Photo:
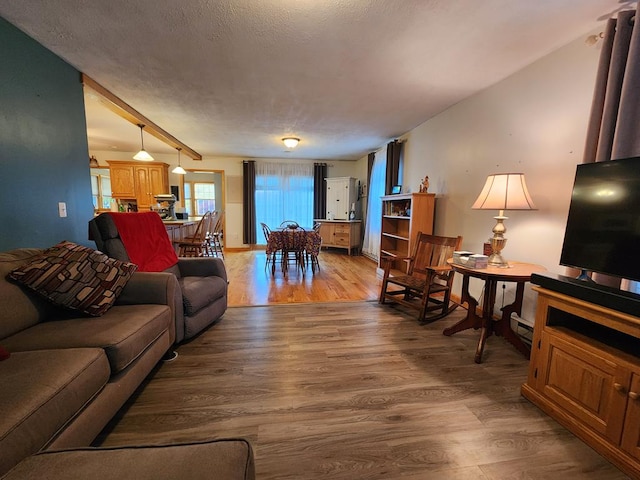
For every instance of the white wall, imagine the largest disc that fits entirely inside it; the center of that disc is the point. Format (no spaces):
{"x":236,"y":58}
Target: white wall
{"x":533,"y":122}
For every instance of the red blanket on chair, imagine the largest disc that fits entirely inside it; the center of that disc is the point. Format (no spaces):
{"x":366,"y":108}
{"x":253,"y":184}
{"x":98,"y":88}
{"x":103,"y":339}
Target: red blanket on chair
{"x":146,"y":240}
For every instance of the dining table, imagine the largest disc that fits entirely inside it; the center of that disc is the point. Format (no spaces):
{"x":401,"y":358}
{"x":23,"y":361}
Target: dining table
{"x":303,"y":242}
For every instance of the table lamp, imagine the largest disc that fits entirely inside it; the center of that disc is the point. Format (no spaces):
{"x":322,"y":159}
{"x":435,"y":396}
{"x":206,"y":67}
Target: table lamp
{"x":503,"y":191}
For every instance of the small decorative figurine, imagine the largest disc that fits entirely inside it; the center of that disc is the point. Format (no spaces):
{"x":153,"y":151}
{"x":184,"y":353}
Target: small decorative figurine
{"x":424,"y":186}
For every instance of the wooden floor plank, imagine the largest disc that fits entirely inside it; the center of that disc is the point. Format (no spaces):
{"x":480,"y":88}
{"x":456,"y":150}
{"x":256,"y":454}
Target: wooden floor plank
{"x":355,"y":390}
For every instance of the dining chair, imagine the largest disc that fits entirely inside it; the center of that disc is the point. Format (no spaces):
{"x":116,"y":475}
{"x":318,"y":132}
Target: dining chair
{"x":197,"y":245}
{"x":293,"y":243}
{"x":426,"y":285}
{"x":214,"y":237}
{"x":289,"y":224}
{"x":313,"y":243}
{"x":272,"y":255}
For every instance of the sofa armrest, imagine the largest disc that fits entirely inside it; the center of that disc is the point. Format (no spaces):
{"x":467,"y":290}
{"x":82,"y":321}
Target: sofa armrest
{"x":148,"y":287}
{"x":202,"y":267}
{"x":155,"y":288}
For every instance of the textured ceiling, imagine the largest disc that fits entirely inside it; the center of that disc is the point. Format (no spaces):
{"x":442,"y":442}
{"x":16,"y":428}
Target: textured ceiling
{"x":231,"y":78}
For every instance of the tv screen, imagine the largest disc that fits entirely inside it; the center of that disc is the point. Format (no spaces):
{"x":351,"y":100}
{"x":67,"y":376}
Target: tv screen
{"x":603,"y":226}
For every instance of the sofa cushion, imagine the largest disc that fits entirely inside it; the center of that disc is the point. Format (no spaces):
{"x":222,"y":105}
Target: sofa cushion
{"x":76,"y":277}
{"x":20,"y":307}
{"x":124,"y":332}
{"x":40,"y":392}
{"x":198,"y":292}
{"x":228,"y":459}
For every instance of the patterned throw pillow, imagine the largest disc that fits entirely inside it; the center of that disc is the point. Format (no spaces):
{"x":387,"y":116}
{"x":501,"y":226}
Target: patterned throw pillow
{"x":76,"y":277}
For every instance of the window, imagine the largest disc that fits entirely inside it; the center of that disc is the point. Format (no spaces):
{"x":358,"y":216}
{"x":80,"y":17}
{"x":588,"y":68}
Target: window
{"x":284,"y":192}
{"x":101,"y":190}
{"x":199,"y":198}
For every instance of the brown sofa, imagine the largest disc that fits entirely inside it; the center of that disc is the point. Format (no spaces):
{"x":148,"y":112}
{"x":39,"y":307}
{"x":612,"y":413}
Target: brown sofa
{"x":228,"y":459}
{"x":68,"y":374}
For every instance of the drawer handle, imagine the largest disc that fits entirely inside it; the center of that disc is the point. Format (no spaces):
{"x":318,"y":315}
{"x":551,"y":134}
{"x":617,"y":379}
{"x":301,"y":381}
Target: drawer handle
{"x":634,"y":396}
{"x":619,"y":387}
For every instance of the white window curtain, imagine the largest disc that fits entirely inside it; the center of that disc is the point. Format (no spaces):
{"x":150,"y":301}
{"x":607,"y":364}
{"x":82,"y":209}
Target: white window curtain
{"x":284,"y":191}
{"x":371,"y":243}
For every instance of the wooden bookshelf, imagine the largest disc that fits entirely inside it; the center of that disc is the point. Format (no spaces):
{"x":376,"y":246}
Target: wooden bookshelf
{"x":403,"y":216}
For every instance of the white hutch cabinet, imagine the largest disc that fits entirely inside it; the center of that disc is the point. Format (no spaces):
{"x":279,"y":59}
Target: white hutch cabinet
{"x":341,"y":194}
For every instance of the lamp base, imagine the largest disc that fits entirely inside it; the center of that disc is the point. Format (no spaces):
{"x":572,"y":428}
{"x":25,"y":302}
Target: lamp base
{"x":497,"y":244}
{"x":496,"y":260}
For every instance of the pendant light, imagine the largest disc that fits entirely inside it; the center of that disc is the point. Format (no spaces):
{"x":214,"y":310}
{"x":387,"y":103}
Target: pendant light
{"x":142,"y":155}
{"x":179,"y":170}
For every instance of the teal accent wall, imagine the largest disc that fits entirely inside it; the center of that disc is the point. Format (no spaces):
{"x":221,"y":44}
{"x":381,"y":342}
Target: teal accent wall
{"x":44,"y":155}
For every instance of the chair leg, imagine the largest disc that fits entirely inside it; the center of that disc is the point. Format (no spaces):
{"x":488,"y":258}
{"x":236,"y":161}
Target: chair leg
{"x":383,"y":291}
{"x":217,"y":246}
{"x":315,"y":265}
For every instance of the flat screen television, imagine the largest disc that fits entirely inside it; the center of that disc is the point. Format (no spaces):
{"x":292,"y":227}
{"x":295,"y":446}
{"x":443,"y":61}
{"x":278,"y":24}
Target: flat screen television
{"x":603,"y":226}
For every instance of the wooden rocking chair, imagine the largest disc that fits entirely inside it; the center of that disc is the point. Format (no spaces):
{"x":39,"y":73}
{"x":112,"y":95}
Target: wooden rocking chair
{"x":427,"y":284}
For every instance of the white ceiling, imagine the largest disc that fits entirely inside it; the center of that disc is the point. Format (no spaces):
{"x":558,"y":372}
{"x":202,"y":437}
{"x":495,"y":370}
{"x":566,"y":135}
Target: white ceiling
{"x":231,"y":78}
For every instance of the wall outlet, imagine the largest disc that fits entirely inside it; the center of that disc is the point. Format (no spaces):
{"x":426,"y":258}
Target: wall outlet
{"x":62,"y":209}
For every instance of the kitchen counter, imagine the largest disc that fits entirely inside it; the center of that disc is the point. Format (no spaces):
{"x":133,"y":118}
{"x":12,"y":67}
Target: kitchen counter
{"x":179,"y":229}
{"x":179,"y":222}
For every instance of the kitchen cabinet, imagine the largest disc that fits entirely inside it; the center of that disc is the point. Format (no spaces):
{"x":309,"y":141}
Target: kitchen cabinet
{"x":340,"y":233}
{"x":403,"y":216}
{"x":133,"y":181}
{"x":342,"y":193}
{"x":122,"y":181}
{"x":585,"y":373}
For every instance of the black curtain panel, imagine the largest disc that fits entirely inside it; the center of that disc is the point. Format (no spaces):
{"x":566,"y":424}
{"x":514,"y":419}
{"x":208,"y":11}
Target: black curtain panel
{"x":370,"y":159}
{"x":612,"y":131}
{"x":319,"y":190}
{"x":394,"y":151}
{"x":249,"y":236}
{"x":615,"y":111}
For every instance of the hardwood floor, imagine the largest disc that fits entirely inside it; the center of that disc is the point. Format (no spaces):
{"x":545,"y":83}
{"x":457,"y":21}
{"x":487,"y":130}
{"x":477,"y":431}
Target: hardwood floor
{"x":352,"y":390}
{"x":341,"y":278}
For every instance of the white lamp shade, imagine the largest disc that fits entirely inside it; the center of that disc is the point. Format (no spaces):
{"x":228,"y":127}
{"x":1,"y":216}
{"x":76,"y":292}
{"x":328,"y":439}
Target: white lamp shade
{"x":504,"y":191}
{"x":290,"y":142}
{"x":143,"y":156}
{"x":179,"y":170}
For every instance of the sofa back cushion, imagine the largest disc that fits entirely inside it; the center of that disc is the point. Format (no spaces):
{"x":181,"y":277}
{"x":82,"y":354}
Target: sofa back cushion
{"x":103,"y":231}
{"x":19,"y":309}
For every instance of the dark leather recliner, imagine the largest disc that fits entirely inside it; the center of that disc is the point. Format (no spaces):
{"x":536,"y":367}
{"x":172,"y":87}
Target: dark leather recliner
{"x":202,"y":299}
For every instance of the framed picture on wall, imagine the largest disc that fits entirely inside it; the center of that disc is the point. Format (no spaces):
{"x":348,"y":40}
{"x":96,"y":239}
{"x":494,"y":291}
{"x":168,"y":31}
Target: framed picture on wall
{"x":396,"y":189}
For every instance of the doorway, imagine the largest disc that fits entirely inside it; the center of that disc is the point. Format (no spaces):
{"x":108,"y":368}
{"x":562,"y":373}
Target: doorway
{"x":202,"y":191}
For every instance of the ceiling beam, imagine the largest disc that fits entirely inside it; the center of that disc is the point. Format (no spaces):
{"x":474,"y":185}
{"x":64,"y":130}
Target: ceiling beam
{"x":130,"y":114}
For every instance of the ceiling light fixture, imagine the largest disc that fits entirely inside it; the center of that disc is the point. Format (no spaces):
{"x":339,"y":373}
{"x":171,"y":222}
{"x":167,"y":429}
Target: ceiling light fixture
{"x":290,"y":142}
{"x":179,"y":170}
{"x":142,"y":155}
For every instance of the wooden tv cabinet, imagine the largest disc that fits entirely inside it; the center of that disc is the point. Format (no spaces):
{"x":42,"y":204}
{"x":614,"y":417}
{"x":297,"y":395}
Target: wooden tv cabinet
{"x":585,"y":373}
